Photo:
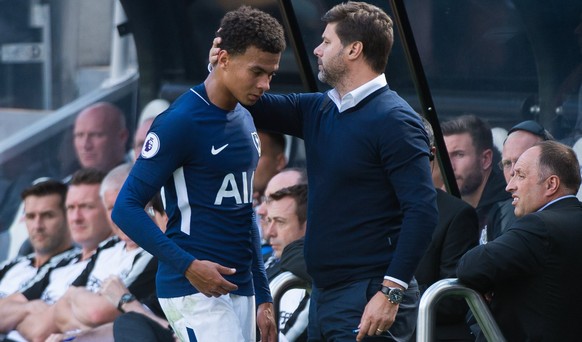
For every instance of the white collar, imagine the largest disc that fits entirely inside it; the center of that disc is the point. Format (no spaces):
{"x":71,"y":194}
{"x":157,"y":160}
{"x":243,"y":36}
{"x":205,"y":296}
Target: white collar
{"x":354,"y":97}
{"x":554,"y":201}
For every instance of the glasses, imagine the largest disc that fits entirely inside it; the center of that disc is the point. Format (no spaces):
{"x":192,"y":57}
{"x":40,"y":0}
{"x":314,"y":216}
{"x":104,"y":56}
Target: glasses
{"x":260,"y":200}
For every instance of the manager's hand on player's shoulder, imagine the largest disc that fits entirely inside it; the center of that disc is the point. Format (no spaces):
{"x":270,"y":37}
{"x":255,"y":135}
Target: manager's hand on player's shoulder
{"x":206,"y":277}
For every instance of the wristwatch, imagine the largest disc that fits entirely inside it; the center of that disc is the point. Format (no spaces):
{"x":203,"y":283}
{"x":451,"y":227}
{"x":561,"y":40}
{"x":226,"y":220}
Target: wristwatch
{"x":394,"y":294}
{"x":126,"y":298}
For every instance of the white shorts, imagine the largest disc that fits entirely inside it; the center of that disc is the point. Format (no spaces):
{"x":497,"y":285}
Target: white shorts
{"x":228,"y":318}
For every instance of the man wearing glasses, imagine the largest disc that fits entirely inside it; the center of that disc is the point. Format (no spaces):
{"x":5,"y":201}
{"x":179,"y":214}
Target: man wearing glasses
{"x":519,"y":138}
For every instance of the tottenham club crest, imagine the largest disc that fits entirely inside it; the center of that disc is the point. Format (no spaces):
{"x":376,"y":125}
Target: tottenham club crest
{"x":257,"y":142}
{"x":151,"y":146}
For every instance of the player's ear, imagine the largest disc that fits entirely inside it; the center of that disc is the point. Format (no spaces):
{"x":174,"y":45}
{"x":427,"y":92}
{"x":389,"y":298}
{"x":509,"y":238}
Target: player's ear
{"x":223,"y":58}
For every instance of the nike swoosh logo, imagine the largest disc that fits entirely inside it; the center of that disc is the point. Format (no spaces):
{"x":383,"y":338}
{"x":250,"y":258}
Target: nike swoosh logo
{"x":216,"y":151}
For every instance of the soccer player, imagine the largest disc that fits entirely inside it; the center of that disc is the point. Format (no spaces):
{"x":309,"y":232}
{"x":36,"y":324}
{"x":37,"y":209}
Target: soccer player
{"x":203,"y":151}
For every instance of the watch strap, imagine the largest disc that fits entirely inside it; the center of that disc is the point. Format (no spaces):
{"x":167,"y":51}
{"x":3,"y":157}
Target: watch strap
{"x":125,"y":298}
{"x":393,"y":294}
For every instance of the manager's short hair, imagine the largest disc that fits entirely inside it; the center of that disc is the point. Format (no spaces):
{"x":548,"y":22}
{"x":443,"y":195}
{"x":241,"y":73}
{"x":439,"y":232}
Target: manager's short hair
{"x":369,"y":24}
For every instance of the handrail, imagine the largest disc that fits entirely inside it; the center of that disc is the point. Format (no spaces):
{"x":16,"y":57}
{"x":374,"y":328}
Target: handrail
{"x":281,"y":284}
{"x":452,"y":287}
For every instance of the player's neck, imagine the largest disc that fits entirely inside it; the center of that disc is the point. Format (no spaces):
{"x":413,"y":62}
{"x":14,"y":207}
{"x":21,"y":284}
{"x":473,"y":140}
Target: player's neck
{"x":218,"y":94}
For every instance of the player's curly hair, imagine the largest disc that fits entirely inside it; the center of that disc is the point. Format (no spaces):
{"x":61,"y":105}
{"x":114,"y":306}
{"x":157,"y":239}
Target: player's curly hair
{"x":247,"y":26}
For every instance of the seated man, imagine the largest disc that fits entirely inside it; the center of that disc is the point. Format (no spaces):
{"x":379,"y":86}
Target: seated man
{"x":46,"y":222}
{"x":531,"y":274}
{"x":519,"y":138}
{"x":287,"y":221}
{"x":88,"y":228}
{"x":31,"y":312}
{"x":143,"y":321}
{"x":140,"y":320}
{"x":50,"y":239}
{"x":82,"y":306}
{"x":284,"y":179}
{"x":470,"y":146}
{"x":457,"y":231}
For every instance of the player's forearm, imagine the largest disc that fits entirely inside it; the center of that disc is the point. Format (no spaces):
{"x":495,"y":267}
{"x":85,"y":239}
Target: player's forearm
{"x":129,"y":215}
{"x":260,"y":281}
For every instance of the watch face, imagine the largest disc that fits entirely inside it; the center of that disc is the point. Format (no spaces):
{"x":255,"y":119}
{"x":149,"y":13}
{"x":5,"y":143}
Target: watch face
{"x":126,"y":298}
{"x":396,"y":295}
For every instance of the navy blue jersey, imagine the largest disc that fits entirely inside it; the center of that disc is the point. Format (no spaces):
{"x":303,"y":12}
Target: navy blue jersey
{"x":204,"y":157}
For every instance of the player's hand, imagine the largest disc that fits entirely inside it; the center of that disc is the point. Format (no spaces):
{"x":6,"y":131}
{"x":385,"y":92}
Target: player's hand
{"x":214,"y":50}
{"x":379,"y":315}
{"x":266,"y":322}
{"x":206,"y":277}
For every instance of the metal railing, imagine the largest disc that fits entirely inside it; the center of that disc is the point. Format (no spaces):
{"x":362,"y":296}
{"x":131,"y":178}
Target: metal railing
{"x":451,"y":287}
{"x":425,"y":328}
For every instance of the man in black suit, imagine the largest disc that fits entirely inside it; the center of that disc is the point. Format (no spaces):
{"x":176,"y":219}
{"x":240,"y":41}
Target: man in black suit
{"x":457,"y":232}
{"x":532,"y":273}
{"x":519,"y":138}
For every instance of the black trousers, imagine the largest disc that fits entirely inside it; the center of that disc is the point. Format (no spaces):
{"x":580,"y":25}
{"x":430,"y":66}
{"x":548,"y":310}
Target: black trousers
{"x":133,"y":326}
{"x":334,"y":313}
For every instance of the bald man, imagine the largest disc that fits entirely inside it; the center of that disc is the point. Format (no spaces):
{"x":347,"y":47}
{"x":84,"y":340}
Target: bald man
{"x":520,"y":137}
{"x":100,"y":135}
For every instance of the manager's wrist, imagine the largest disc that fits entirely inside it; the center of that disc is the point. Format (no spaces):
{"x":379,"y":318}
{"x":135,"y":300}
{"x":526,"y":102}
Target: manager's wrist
{"x":395,"y":295}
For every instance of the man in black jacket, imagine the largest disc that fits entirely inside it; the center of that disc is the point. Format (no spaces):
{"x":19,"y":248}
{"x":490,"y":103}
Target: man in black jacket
{"x":531,"y":273}
{"x":519,"y":138}
{"x":457,"y":231}
{"x":470,"y":146}
{"x":286,"y":223}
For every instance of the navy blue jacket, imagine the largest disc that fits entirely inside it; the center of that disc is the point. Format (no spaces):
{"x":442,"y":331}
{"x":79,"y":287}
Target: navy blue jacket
{"x":372,"y":205}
